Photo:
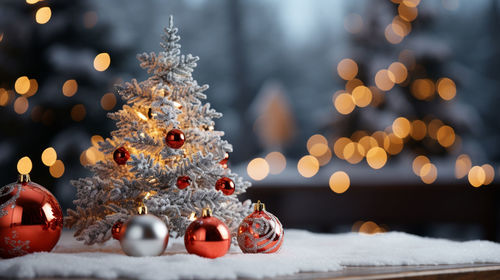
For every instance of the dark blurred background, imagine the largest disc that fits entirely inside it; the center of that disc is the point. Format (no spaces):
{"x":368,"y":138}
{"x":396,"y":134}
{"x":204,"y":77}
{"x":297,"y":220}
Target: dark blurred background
{"x":346,"y":115}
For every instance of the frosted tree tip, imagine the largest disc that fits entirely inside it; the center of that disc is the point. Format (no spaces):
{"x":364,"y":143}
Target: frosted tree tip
{"x":171,"y":21}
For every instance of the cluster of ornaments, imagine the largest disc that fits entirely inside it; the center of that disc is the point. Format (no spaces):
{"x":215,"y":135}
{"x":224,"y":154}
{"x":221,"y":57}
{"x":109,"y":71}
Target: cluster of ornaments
{"x":175,"y":139}
{"x":207,"y":236}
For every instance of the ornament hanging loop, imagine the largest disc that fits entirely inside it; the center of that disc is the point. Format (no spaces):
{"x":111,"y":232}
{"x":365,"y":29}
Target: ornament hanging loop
{"x":24,"y":178}
{"x":206,"y":212}
{"x":259,"y":206}
{"x":142,"y":209}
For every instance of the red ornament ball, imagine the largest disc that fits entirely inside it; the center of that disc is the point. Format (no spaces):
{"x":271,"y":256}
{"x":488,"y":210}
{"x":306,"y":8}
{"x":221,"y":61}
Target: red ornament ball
{"x":121,"y":156}
{"x":175,"y":138}
{"x":183,"y":182}
{"x":117,"y":230}
{"x":224,"y":161}
{"x":260,"y":232}
{"x":31,"y":219}
{"x":207,"y":236}
{"x":225,"y":185}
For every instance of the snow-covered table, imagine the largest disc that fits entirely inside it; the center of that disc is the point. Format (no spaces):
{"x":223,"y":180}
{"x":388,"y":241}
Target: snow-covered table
{"x":302,"y":252}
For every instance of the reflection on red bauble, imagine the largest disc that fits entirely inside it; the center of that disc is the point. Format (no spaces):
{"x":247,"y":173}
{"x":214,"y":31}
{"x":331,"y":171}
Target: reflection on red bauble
{"x":260,"y":232}
{"x":224,"y":161}
{"x":183,"y":182}
{"x":117,"y":230}
{"x":175,"y":138}
{"x":207,"y":236}
{"x":121,"y":155}
{"x":31,"y":219}
{"x":225,"y":185}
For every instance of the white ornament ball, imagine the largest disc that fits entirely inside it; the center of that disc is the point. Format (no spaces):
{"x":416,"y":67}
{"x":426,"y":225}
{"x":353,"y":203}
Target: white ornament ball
{"x":144,"y":235}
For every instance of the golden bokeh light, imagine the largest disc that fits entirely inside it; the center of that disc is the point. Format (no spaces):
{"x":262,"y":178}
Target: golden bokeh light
{"x":384,"y":79}
{"x":347,"y":69}
{"x":316,"y":139}
{"x":57,"y":169}
{"x":428,"y":173}
{"x":391,"y":36}
{"x":22,"y":85}
{"x":381,"y":137}
{"x":368,"y":142}
{"x":400,"y":26}
{"x":78,"y":112}
{"x":354,"y":152}
{"x":32,"y":1}
{"x":339,"y":182}
{"x":376,"y":157}
{"x":418,"y":163}
{"x":352,"y":84}
{"x":276,"y":161}
{"x":477,"y":176}
{"x":318,"y":149}
{"x":418,"y":130}
{"x":258,"y":169}
{"x":325,"y":158}
{"x":102,"y":61}
{"x":24,"y":165}
{"x":33,"y":88}
{"x":95,"y":139}
{"x":108,"y":101}
{"x":407,"y":13}
{"x":69,"y":88}
{"x":21,"y":105}
{"x":411,"y":3}
{"x":43,"y":15}
{"x":308,"y":166}
{"x":401,"y":127}
{"x":370,"y":227}
{"x":446,"y":88}
{"x":353,"y":23}
{"x":393,"y":145}
{"x":399,"y":72}
{"x":446,"y":136}
{"x":338,"y":147}
{"x":4,"y":97}
{"x":91,"y":156}
{"x":433,"y":128}
{"x":489,"y":173}
{"x":49,"y":156}
{"x":362,"y":96}
{"x":462,"y":166}
{"x":344,"y":103}
{"x":358,"y":134}
{"x":423,"y":89}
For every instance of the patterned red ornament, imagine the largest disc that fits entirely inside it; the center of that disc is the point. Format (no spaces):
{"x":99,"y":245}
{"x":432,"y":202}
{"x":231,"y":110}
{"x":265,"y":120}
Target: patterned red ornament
{"x":117,"y":230}
{"x":207,"y":236}
{"x":260,"y":232}
{"x":183,"y":182}
{"x":121,"y":155}
{"x":31,"y":219}
{"x":225,"y":185}
{"x":224,"y":161}
{"x":175,"y":138}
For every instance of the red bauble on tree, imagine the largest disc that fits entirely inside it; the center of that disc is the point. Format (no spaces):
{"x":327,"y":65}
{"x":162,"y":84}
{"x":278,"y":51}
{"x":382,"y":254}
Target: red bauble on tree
{"x":207,"y":236}
{"x":183,"y":182}
{"x":224,"y":161}
{"x":225,"y":185}
{"x":31,"y":219}
{"x":260,"y":232}
{"x":117,"y":230}
{"x":175,"y":138}
{"x":121,"y":156}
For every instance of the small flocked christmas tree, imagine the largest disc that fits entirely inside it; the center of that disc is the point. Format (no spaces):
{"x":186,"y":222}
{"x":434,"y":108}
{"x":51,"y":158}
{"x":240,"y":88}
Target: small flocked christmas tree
{"x":165,"y":154}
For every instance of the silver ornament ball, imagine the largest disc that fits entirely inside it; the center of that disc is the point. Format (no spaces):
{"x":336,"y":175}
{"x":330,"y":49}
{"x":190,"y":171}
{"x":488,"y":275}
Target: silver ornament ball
{"x":144,"y":235}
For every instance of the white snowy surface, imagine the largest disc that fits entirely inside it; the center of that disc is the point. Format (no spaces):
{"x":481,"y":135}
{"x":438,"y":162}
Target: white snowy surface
{"x":302,"y":251}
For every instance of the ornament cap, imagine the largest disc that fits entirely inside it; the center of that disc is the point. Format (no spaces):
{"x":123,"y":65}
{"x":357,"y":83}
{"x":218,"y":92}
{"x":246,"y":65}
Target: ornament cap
{"x":23,"y":178}
{"x":259,"y":206}
{"x":206,"y":212}
{"x":142,"y":209}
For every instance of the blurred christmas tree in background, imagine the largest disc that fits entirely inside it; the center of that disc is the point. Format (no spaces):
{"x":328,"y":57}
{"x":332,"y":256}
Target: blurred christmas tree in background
{"x":54,"y":72}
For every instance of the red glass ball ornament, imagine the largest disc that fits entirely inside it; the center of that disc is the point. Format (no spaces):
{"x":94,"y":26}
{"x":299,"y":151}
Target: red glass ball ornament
{"x":31,"y":219}
{"x":183,"y":182}
{"x":207,"y":236}
{"x":117,"y":230}
{"x":260,"y":232}
{"x":224,"y":161}
{"x":175,"y":138}
{"x":225,"y":185}
{"x":121,"y":156}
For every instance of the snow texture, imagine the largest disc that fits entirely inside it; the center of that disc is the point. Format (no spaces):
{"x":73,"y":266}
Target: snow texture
{"x":302,"y":251}
{"x":170,"y":98}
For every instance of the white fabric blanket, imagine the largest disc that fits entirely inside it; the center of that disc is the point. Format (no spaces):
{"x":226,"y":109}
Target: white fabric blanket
{"x":302,"y":251}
